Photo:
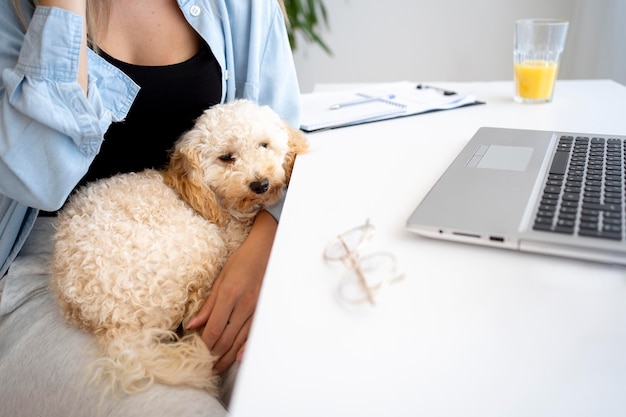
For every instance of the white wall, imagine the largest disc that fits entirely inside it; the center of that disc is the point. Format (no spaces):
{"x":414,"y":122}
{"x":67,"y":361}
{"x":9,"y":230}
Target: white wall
{"x":457,"y":40}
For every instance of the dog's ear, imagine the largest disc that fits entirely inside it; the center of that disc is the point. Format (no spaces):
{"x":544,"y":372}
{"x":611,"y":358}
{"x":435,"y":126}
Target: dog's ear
{"x":184,"y":174}
{"x":298,"y":144}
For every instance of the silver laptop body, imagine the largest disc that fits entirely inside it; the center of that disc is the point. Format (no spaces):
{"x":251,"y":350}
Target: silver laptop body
{"x":494,"y":190}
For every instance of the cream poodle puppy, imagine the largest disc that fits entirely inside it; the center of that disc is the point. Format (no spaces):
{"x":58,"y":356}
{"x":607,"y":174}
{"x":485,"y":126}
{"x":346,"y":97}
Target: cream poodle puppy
{"x":135,"y":255}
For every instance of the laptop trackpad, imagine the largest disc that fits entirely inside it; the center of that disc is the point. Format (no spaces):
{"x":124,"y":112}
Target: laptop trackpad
{"x":512,"y":158}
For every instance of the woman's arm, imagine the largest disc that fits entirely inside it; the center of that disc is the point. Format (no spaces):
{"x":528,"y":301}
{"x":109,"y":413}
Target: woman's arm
{"x":52,"y":115}
{"x":227,"y":313}
{"x":265,"y":73}
{"x":78,"y":7}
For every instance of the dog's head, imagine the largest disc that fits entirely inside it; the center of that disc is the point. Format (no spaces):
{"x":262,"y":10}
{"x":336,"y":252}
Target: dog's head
{"x":237,"y":159}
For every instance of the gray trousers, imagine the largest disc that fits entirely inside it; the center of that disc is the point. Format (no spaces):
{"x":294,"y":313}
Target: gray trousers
{"x":44,"y":361}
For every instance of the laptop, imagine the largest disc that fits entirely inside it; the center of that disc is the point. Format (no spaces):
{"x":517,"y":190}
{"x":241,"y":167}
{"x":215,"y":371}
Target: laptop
{"x":555,"y":193}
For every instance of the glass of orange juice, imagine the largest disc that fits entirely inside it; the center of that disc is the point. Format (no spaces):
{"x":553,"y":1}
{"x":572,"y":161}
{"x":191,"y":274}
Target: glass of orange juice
{"x":537,"y":48}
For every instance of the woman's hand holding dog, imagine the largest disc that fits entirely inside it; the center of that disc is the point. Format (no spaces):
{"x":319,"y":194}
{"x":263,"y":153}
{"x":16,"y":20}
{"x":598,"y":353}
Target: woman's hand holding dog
{"x":228,"y":311}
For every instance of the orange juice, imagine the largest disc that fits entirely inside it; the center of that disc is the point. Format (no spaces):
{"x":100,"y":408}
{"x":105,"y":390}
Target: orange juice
{"x":534,"y":80}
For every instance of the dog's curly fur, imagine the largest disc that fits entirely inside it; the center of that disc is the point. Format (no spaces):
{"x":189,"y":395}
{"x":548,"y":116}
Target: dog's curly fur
{"x":135,"y":255}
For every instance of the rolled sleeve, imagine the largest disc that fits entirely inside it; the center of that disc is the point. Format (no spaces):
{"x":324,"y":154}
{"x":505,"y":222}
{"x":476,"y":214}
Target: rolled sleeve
{"x":50,"y":131}
{"x":51,"y":46}
{"x":43,"y":83}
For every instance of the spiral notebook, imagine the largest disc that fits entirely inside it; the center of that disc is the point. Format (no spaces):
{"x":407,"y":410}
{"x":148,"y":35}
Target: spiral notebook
{"x":327,"y":110}
{"x":324,"y":111}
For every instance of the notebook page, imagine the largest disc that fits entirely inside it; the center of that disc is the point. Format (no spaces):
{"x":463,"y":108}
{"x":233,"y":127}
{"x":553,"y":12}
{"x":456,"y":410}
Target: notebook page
{"x":318,"y":112}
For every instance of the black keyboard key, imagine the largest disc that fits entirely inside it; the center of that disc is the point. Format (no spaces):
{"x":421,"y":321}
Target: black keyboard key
{"x":542,"y":227}
{"x":559,"y":163}
{"x":607,"y":228}
{"x":589,"y":226}
{"x":567,"y":216}
{"x":602,"y":207}
{"x":590,"y":219}
{"x":549,"y":214}
{"x":612,"y":222}
{"x":600,"y":234}
{"x":571,"y":197}
{"x":551,"y":189}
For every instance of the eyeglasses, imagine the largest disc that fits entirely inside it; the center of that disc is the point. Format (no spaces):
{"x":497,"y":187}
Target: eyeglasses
{"x":367,"y":275}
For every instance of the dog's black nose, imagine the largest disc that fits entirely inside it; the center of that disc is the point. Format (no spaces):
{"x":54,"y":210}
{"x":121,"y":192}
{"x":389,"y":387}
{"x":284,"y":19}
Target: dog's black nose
{"x":259,"y":187}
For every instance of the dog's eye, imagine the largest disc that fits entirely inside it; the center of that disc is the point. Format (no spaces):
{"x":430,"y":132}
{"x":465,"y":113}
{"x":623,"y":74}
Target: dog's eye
{"x":227,"y":157}
{"x":264,"y":145}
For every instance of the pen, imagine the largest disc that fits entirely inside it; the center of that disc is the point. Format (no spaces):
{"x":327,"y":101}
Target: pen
{"x":441,"y":90}
{"x":364,"y":100}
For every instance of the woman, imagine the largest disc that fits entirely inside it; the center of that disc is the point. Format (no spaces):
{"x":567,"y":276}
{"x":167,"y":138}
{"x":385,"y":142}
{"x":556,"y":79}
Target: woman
{"x":76,"y":100}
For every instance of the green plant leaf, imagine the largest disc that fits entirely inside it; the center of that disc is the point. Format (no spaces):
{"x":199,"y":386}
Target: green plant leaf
{"x":307,"y":17}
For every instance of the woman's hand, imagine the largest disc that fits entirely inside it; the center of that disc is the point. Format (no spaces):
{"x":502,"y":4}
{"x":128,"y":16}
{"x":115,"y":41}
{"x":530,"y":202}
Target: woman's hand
{"x":227,"y":313}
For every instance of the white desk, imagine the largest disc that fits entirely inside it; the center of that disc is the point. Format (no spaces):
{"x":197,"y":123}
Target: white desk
{"x":471,"y":331}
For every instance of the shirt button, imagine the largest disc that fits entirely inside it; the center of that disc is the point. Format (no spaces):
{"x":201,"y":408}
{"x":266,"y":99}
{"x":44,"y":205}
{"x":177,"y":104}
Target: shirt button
{"x":195,"y":11}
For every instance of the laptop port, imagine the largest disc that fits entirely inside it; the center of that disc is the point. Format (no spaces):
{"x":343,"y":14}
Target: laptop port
{"x":466,"y":234}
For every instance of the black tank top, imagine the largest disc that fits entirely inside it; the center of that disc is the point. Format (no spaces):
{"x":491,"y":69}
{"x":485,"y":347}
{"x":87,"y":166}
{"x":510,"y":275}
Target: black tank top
{"x":170,"y":99}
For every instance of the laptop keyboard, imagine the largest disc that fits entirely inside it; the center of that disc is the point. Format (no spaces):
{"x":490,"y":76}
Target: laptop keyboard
{"x":585,"y":188}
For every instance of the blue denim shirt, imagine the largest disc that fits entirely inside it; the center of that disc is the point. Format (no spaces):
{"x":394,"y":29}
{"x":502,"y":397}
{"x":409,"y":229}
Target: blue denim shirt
{"x":50,"y":131}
